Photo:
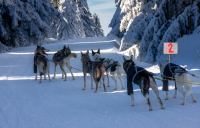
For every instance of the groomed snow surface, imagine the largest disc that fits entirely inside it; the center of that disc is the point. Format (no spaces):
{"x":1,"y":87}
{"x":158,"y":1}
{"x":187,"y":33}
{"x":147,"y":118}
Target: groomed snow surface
{"x":26,"y":103}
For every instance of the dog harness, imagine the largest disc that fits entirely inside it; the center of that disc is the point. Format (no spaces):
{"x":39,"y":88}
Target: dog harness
{"x":59,"y":56}
{"x":135,"y":72}
{"x":104,"y":60}
{"x":171,"y":69}
{"x":92,"y":64}
{"x":41,"y":58}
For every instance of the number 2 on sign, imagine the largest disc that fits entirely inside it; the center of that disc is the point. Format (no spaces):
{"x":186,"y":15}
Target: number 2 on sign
{"x":170,"y":49}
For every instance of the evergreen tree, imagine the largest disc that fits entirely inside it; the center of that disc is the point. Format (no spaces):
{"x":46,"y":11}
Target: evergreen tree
{"x":145,"y":25}
{"x":27,"y":22}
{"x":86,"y":18}
{"x":98,"y":29}
{"x":71,"y":25}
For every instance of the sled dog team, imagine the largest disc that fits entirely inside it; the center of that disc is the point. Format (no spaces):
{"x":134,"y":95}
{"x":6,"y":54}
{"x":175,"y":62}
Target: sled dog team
{"x":97,"y":68}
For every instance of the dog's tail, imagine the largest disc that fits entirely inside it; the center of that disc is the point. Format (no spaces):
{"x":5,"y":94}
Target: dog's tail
{"x":144,"y":83}
{"x":45,"y":69}
{"x":121,"y":69}
{"x":72,"y":56}
{"x":98,"y":73}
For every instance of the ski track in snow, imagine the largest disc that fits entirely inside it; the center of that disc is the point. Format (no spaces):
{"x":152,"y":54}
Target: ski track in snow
{"x":25,"y":103}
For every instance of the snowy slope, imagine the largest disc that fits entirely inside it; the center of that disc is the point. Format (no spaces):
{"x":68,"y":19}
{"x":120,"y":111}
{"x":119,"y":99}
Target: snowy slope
{"x":24,"y":103}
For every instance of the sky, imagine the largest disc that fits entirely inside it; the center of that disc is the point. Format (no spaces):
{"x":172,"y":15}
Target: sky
{"x":105,"y":10}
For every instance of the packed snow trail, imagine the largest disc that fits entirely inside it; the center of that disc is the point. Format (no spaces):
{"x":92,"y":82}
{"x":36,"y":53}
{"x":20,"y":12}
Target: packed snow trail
{"x":26,"y":103}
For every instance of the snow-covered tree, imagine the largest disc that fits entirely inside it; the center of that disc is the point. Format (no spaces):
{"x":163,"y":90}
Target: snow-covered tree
{"x":71,"y":25}
{"x":55,"y":3}
{"x":3,"y":48}
{"x":136,"y":21}
{"x":127,"y":11}
{"x":98,"y":29}
{"x":184,"y":24}
{"x":86,"y":18}
{"x":144,"y":25}
{"x":116,"y":20}
{"x":27,"y":22}
{"x":136,"y":31}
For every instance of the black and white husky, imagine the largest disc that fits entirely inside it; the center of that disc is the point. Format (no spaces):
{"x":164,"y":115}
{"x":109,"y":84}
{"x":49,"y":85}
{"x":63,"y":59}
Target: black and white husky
{"x":111,"y":66}
{"x":62,"y":58}
{"x":41,"y":62}
{"x":141,"y":77}
{"x":95,"y":69}
{"x":178,"y":73}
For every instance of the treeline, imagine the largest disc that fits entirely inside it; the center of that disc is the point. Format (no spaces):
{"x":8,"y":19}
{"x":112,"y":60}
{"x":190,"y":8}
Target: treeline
{"x":29,"y":22}
{"x":145,"y":25}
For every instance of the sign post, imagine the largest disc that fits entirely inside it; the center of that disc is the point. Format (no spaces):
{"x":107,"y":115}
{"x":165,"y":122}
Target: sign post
{"x":169,"y":48}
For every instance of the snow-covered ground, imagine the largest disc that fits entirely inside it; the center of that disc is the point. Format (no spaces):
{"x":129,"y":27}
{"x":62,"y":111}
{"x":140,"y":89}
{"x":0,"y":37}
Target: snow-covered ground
{"x":25,"y":103}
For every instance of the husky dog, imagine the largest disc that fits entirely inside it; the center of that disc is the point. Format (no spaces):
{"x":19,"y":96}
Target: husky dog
{"x":95,"y":69}
{"x":62,"y":58}
{"x":141,"y":77}
{"x":41,"y":62}
{"x":176,"y":74}
{"x":111,"y":66}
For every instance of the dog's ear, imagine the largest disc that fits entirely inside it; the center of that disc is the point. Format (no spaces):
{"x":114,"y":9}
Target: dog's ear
{"x":131,"y":57}
{"x":88,"y":52}
{"x":68,"y":46}
{"x":92,"y":52}
{"x":38,"y":46}
{"x":64,"y":47}
{"x":81,"y":53}
{"x":98,"y":51}
{"x":124,"y":58}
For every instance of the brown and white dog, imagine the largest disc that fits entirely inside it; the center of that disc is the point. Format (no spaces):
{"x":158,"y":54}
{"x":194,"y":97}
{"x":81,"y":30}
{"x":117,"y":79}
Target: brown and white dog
{"x":95,"y":69}
{"x":111,"y":66}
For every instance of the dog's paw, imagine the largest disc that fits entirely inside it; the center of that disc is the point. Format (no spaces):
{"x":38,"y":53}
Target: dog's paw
{"x":123,"y":88}
{"x":95,"y":91}
{"x":174,"y":97}
{"x":132,"y":105}
{"x":150,"y":109}
{"x":115,"y":88}
{"x":166,"y":98}
{"x":108,"y":86}
{"x":182,"y":103}
{"x":162,"y":107}
{"x":105,"y":90}
{"x":92,"y":88}
{"x":194,"y":101}
{"x":83,"y":89}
